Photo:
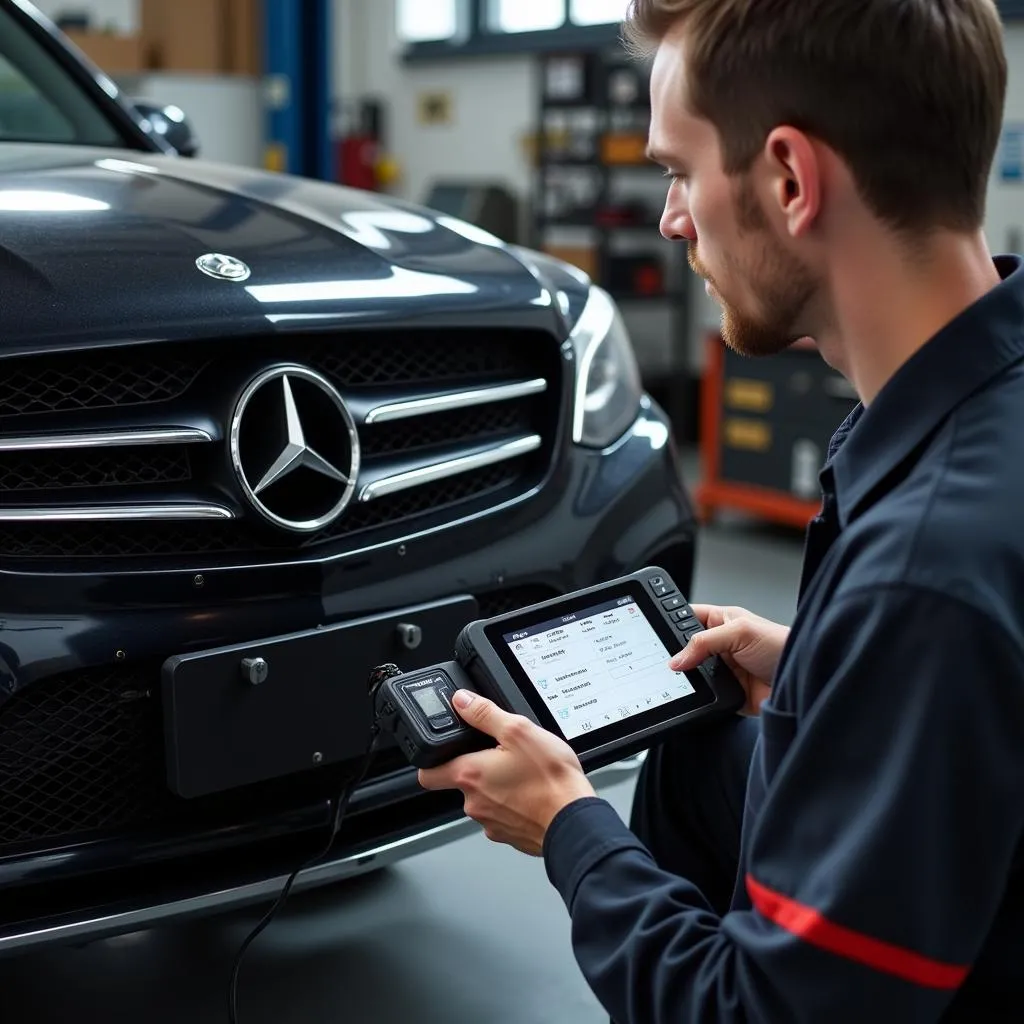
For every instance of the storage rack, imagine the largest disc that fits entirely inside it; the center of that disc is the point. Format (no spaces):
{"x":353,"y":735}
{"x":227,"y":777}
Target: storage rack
{"x":590,"y":154}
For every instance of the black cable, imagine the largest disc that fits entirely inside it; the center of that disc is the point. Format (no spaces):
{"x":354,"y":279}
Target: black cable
{"x":340,"y":807}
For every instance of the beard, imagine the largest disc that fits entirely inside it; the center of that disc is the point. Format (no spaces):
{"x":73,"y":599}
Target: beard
{"x":783,"y":287}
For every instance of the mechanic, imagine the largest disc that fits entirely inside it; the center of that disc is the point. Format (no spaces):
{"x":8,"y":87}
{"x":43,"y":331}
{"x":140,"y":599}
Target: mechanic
{"x":854,"y":851}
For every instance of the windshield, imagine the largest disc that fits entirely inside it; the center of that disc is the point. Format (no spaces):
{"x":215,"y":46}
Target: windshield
{"x":39,"y":100}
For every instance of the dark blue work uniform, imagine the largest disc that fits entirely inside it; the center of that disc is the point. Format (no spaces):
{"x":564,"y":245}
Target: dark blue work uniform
{"x":881,"y":860}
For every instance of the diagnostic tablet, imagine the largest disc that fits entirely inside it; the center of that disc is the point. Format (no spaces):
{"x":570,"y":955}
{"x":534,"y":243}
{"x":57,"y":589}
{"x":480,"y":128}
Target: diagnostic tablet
{"x":591,"y":667}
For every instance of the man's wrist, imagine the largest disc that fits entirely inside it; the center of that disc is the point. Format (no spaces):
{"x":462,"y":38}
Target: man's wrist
{"x":565,"y":796}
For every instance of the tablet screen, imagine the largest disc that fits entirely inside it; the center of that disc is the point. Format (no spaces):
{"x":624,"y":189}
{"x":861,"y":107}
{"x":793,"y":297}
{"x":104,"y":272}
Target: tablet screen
{"x":597,"y":666}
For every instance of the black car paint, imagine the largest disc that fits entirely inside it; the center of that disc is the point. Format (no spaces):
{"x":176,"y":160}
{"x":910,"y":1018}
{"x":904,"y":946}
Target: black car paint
{"x":124,"y":273}
{"x":128,"y":274}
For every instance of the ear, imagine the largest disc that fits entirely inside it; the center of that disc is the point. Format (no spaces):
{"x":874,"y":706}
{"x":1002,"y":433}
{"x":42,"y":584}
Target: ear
{"x":795,"y":173}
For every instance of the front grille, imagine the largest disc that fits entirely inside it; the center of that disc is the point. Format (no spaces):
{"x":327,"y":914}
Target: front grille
{"x":369,"y":370}
{"x":82,"y":755}
{"x":93,"y":468}
{"x":442,"y":358}
{"x":87,"y":381}
{"x":159,"y":373}
{"x":147,"y":540}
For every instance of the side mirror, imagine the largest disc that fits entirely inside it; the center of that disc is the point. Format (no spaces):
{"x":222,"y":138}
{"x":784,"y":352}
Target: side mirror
{"x":170,"y":123}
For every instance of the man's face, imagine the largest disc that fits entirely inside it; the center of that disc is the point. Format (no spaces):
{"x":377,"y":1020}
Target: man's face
{"x":763,"y":288}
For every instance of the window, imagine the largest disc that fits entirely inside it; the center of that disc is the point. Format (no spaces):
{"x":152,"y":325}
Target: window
{"x":525,"y":15}
{"x":442,"y":29}
{"x":422,"y":21}
{"x":597,"y":12}
{"x":39,"y":99}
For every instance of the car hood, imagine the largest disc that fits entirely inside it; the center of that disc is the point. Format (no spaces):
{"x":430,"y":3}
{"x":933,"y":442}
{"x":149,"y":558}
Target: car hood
{"x":101,"y":247}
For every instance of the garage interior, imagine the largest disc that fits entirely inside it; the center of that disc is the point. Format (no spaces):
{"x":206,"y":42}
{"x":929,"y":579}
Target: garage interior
{"x":529,"y":123}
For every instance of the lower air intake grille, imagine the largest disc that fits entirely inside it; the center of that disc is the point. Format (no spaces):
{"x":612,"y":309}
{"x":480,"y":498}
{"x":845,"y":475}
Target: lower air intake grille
{"x":83,"y":754}
{"x":77,"y":754}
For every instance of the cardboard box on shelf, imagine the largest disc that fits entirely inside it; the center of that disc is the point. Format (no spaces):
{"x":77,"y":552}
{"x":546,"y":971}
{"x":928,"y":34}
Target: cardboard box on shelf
{"x":582,"y":256}
{"x":109,"y":52}
{"x":245,"y":37}
{"x":207,"y":36}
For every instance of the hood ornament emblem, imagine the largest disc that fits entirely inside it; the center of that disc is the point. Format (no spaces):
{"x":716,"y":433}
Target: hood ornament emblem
{"x":294,"y":448}
{"x":223,"y":268}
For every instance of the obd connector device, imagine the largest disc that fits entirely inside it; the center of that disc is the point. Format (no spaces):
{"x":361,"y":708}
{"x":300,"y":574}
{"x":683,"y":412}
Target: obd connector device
{"x":591,"y":667}
{"x":416,"y":708}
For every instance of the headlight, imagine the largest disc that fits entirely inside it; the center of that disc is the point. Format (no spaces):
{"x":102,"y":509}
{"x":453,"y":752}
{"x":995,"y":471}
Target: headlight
{"x":608,"y":388}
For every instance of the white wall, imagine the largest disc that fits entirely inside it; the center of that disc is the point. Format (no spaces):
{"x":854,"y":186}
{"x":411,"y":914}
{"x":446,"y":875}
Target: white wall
{"x":493,"y":103}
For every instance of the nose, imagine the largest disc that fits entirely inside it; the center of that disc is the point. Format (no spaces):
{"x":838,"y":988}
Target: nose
{"x":676,"y":222}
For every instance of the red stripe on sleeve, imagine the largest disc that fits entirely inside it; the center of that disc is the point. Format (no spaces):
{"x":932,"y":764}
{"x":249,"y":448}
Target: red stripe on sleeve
{"x":808,"y":924}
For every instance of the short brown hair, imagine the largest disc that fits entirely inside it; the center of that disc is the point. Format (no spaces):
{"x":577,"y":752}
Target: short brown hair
{"x":909,"y":92}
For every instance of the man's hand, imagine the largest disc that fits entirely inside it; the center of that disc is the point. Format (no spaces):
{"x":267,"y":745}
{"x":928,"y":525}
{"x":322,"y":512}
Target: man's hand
{"x":750,"y":645}
{"x":516,"y":789}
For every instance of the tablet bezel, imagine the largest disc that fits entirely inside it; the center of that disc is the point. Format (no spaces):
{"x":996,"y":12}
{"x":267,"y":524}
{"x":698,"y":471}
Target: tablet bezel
{"x":702,"y":697}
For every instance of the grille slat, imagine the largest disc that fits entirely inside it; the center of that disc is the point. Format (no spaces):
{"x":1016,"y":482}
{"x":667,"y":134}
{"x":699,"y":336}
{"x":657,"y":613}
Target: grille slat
{"x":157,"y":540}
{"x":82,"y":754}
{"x":469,"y":426}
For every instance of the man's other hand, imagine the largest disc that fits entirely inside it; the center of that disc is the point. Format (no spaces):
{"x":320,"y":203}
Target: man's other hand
{"x":516,"y":789}
{"x":750,"y":645}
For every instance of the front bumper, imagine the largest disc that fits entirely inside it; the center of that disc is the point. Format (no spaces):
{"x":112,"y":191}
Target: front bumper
{"x":89,"y":924}
{"x":604,"y":514}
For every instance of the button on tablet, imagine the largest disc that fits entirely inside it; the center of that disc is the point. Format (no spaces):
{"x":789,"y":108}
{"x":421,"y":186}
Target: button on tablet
{"x":682,"y":615}
{"x":672,"y":603}
{"x":660,"y":586}
{"x":687,"y":626}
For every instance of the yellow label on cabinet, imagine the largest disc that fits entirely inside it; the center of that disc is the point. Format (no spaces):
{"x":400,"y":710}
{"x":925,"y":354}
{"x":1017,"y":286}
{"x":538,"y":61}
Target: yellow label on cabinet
{"x":752,"y":435}
{"x":750,"y":395}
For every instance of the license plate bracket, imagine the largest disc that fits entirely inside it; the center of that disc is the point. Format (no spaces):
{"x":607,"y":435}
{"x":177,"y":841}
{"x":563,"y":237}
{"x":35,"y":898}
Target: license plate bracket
{"x":222,"y":731}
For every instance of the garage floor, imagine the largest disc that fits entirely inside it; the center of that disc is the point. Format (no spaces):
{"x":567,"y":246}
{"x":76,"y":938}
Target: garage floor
{"x":468,"y":933}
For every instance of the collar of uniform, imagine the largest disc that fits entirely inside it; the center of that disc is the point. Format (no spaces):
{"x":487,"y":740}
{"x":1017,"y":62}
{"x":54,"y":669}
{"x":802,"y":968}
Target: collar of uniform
{"x":980,"y":343}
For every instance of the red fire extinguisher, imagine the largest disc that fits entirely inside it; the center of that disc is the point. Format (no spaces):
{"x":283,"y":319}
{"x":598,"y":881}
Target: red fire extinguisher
{"x":359,"y":150}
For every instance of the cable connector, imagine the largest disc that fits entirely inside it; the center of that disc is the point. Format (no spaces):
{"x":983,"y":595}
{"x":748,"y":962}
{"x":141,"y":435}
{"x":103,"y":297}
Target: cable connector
{"x":379,"y":676}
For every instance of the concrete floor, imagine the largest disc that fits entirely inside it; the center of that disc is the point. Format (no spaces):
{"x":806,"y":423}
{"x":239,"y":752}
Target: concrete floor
{"x":468,"y":933}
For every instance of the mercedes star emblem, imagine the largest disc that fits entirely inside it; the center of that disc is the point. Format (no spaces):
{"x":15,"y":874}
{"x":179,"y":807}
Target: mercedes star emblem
{"x":224,"y":268}
{"x":294,"y":448}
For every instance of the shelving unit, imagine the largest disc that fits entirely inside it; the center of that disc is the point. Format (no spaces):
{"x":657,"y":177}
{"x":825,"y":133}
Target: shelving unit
{"x":597,"y":202}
